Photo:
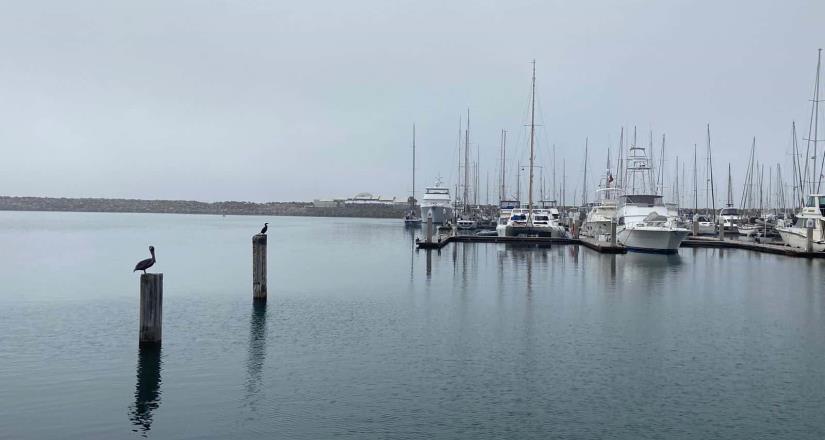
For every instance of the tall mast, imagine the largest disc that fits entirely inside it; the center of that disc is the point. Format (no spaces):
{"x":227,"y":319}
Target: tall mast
{"x":467,"y":162}
{"x":729,"y":202}
{"x":532,"y":147}
{"x":661,"y":171}
{"x":815,"y":118}
{"x":584,"y":185}
{"x":555,"y":195}
{"x":413,"y":168}
{"x":458,"y":174}
{"x":710,"y":171}
{"x":695,"y":189}
{"x":503,"y":194}
{"x":518,"y":182}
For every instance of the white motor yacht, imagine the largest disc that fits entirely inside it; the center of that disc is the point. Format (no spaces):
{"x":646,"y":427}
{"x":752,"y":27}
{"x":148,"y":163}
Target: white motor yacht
{"x":603,"y":212}
{"x":645,"y":223}
{"x":813,"y":215}
{"x":437,"y":200}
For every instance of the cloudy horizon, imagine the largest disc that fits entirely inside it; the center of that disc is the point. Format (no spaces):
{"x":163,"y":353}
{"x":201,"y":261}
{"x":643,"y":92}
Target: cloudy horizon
{"x":269,"y":101}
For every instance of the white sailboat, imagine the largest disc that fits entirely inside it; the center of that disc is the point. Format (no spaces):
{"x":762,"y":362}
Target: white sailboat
{"x":412,"y":219}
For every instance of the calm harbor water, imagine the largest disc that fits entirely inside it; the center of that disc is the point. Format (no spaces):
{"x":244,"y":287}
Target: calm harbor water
{"x":362,"y":337}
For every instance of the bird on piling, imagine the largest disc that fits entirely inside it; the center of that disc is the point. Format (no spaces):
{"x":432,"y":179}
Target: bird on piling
{"x":266,"y":226}
{"x":147,"y":263}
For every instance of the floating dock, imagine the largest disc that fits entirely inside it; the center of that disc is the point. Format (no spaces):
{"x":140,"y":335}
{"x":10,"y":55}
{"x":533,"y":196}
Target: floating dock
{"x":607,"y":248}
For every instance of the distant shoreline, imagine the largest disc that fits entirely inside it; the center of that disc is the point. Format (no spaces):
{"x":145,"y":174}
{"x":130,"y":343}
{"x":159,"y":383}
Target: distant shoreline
{"x":306,"y":209}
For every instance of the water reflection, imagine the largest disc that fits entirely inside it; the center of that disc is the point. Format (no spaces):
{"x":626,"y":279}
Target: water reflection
{"x":429,"y":263}
{"x":147,"y":388}
{"x":257,"y":352}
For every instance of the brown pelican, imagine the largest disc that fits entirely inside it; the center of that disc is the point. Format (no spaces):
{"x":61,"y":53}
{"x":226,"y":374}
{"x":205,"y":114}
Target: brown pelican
{"x":147,"y":263}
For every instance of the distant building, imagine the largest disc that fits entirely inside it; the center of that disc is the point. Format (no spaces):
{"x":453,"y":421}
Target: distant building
{"x":363,"y":198}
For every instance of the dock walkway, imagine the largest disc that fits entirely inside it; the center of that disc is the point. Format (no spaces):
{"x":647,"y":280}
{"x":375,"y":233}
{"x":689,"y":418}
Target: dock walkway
{"x":607,"y":248}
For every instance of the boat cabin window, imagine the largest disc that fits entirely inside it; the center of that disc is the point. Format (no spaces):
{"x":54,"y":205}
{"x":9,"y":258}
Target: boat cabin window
{"x":730,"y":211}
{"x":621,"y":220}
{"x":519,"y":218}
{"x":643,"y":199}
{"x":816,"y":202}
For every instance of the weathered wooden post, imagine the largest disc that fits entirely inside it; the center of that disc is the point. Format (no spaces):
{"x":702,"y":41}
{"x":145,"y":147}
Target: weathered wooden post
{"x":151,"y":308}
{"x":809,"y":236}
{"x":429,"y":226}
{"x":722,"y":230}
{"x":613,"y":233}
{"x":695,"y":231}
{"x":259,"y":267}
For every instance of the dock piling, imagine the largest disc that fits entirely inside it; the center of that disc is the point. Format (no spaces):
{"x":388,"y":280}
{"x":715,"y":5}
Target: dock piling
{"x":429,"y":226}
{"x":613,"y":233}
{"x":259,"y":267}
{"x":722,"y":231}
{"x":809,"y":238}
{"x":151,"y":308}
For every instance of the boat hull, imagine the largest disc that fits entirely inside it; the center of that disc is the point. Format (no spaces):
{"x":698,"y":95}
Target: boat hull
{"x":798,"y":238}
{"x":648,"y":239}
{"x":441,"y":214}
{"x":530,"y":231}
{"x":595,"y":229}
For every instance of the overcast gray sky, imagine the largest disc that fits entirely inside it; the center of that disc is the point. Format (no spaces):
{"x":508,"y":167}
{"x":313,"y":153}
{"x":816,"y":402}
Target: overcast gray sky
{"x":268,"y":100}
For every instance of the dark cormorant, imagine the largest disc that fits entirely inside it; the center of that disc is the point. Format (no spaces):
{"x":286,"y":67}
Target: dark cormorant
{"x":147,"y":263}
{"x":266,"y":226}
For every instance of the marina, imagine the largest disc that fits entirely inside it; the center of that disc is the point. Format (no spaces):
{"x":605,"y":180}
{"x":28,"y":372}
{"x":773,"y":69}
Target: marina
{"x":419,"y":221}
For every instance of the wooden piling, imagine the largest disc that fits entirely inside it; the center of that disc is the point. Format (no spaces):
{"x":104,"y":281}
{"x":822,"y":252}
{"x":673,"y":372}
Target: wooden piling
{"x":151,"y":308}
{"x":429,"y":227}
{"x":722,"y":231}
{"x":695,"y":228}
{"x":809,"y":239}
{"x":613,"y":233}
{"x":259,"y":267}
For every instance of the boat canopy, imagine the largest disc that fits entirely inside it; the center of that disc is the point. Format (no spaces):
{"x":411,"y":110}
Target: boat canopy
{"x":508,"y":204}
{"x":816,"y":201}
{"x":729,"y":211}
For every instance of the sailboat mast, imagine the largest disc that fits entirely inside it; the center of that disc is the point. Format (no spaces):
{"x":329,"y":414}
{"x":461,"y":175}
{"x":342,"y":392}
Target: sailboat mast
{"x":503,"y":194}
{"x":816,"y":120}
{"x":555,"y":195}
{"x":695,"y":192}
{"x":730,"y":190}
{"x":532,"y":147}
{"x":710,"y":170}
{"x":413,"y":168}
{"x":584,"y":184}
{"x":467,"y":162}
